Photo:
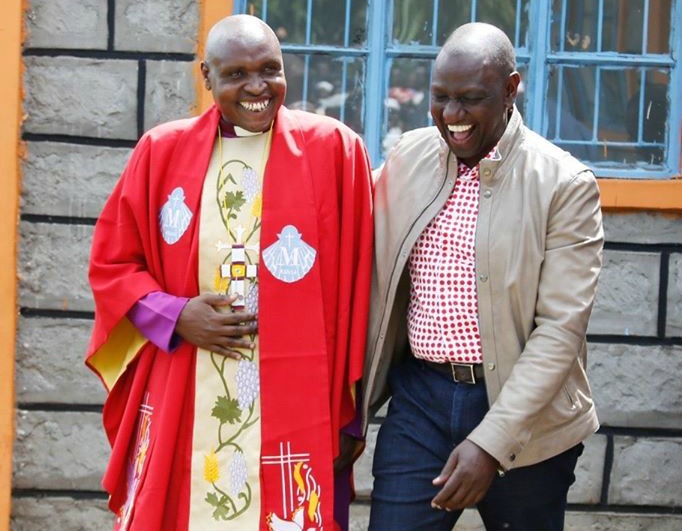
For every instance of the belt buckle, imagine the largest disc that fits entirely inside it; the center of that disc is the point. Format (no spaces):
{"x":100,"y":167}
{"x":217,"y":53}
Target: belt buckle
{"x":471,"y":377}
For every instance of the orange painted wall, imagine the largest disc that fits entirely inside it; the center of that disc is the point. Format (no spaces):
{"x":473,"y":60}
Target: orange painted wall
{"x":631,"y":194}
{"x":11,"y":24}
{"x":211,"y":12}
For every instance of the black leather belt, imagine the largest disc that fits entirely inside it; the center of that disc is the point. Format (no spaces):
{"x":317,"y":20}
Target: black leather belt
{"x":459,"y":372}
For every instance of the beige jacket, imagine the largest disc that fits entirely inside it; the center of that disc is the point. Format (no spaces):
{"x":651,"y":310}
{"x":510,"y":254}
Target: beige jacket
{"x":538,"y":254}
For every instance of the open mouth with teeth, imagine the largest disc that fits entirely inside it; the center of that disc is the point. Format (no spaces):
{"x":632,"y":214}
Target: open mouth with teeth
{"x":460,"y":132}
{"x":255,"y":106}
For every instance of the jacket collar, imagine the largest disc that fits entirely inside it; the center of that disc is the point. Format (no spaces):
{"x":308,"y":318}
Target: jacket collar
{"x":509,"y":139}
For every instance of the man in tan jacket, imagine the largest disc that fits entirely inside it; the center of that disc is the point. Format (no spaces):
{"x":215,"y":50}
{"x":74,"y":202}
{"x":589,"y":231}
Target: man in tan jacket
{"x":488,"y":249}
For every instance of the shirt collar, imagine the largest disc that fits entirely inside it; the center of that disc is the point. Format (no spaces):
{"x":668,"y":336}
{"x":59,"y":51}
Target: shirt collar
{"x":465,"y":172}
{"x":229,"y":130}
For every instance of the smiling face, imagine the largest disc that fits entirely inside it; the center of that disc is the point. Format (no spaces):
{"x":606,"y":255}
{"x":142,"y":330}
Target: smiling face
{"x":245,"y":72}
{"x":470,"y":102}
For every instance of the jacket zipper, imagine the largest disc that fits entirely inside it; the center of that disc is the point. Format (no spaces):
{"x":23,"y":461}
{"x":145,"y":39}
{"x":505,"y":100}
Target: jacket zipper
{"x":395,"y":264}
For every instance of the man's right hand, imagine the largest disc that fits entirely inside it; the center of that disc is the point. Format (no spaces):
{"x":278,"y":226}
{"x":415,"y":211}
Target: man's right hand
{"x":203,"y":324}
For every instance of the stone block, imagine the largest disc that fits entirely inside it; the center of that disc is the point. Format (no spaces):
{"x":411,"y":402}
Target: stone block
{"x":674,"y":316}
{"x":170,"y":91}
{"x":168,"y":26}
{"x":81,"y":97}
{"x":362,"y":471}
{"x":646,"y":471}
{"x":359,"y":519}
{"x":69,"y":179}
{"x":58,"y":450}
{"x":50,"y":366}
{"x":67,"y":24}
{"x":636,"y":386}
{"x":642,"y":227}
{"x":589,"y":472}
{"x":606,"y":521}
{"x":627,"y":295}
{"x":53,"y":266}
{"x":60,"y":513}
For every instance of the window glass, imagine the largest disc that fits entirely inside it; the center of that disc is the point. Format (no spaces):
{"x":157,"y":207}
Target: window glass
{"x":658,"y":26}
{"x":609,"y":115}
{"x":450,"y":18}
{"x":598,"y":88}
{"x":607,"y":111}
{"x":286,"y":17}
{"x":407,"y":102}
{"x":504,"y":16}
{"x":501,"y":14}
{"x":576,"y":26}
{"x":413,"y":21}
{"x":327,"y":85}
{"x":330,"y":22}
{"x":522,"y":93}
{"x":340,"y":22}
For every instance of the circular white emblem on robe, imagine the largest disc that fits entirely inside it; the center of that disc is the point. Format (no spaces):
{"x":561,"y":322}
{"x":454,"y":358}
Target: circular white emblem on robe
{"x":174,"y":217}
{"x":290,"y":258}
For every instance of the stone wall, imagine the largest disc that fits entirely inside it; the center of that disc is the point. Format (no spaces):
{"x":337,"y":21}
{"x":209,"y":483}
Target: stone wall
{"x":98,"y":73}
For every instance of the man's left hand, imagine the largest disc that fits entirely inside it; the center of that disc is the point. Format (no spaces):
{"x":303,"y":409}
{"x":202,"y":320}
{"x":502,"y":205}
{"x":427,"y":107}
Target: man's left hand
{"x":465,"y":478}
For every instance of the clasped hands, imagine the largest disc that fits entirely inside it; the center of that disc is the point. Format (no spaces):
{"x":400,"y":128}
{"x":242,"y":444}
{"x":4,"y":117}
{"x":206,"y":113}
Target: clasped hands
{"x":205,"y":323}
{"x":465,"y":478}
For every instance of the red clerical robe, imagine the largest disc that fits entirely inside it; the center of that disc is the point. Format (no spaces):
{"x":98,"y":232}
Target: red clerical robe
{"x":311,"y":331}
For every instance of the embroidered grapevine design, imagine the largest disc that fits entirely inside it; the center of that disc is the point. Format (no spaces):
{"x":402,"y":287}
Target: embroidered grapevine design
{"x":235,"y":411}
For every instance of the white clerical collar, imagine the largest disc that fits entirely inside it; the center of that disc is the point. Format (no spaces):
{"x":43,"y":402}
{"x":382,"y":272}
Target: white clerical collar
{"x":240,"y":131}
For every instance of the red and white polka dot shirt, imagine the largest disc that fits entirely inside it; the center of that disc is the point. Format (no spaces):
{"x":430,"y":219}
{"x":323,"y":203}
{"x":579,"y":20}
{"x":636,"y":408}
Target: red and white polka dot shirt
{"x":443,"y":311}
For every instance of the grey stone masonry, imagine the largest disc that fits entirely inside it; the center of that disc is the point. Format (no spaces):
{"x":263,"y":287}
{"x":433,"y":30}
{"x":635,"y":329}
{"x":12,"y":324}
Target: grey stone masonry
{"x":363,"y":466}
{"x":589,"y":472}
{"x":157,"y":25}
{"x":59,"y":450}
{"x":637,"y":386}
{"x":67,"y":24}
{"x":81,"y":97}
{"x":53,"y":262}
{"x":51,"y":513}
{"x":575,"y":521}
{"x":606,"y":521}
{"x":674,"y":316}
{"x":69,"y":180}
{"x":50,"y":367}
{"x":643,"y":227}
{"x":169,"y":91}
{"x":646,"y":471}
{"x":359,"y":512}
{"x":627,"y":295}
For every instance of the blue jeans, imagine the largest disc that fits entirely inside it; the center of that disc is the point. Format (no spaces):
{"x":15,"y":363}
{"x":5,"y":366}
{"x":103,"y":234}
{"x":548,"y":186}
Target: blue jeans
{"x":428,"y":416}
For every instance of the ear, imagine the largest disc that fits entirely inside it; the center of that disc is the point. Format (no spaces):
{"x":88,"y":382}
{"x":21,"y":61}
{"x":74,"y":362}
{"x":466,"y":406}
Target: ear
{"x":512,"y":88}
{"x":204,"y":74}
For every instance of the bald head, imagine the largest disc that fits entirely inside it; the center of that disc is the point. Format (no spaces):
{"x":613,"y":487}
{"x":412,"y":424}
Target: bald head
{"x":243,"y":29}
{"x":487,"y":43}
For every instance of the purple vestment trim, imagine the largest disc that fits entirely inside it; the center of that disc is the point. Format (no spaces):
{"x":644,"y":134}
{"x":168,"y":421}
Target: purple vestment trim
{"x":155,"y":316}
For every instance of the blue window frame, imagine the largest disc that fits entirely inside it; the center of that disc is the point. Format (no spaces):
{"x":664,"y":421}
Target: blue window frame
{"x":600,"y":77}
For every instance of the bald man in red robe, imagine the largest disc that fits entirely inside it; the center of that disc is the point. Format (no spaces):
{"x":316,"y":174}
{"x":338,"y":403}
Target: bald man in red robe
{"x":230,"y":269}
